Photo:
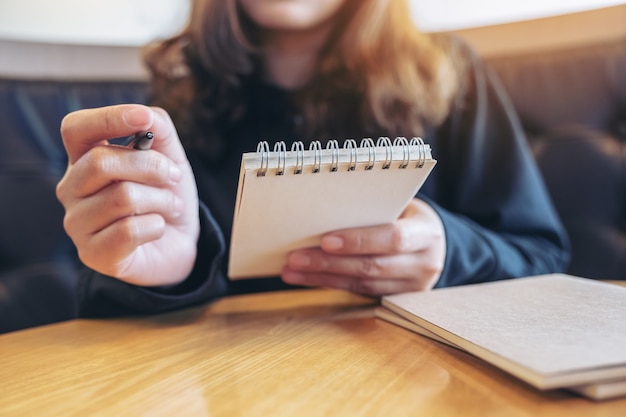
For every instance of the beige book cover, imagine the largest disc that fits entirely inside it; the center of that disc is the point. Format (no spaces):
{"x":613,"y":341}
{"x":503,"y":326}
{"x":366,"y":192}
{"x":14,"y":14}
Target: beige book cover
{"x":552,"y":331}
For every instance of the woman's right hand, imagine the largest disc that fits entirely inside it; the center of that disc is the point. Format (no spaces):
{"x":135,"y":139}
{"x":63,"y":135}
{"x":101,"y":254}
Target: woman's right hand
{"x":132,"y":214}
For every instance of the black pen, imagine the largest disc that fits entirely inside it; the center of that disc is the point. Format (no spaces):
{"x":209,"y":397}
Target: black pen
{"x":141,"y":140}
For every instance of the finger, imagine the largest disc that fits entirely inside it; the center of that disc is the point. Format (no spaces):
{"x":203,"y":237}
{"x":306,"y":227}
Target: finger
{"x":104,"y":165}
{"x":119,"y":241}
{"x":365,"y":286}
{"x":403,"y":266}
{"x":403,"y":236}
{"x":119,"y":200}
{"x":83,"y":129}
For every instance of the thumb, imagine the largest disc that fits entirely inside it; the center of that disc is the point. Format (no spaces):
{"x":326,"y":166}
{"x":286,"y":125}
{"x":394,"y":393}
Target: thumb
{"x":85,"y":129}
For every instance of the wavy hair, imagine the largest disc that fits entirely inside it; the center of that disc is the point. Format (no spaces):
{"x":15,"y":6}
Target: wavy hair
{"x":401,"y":80}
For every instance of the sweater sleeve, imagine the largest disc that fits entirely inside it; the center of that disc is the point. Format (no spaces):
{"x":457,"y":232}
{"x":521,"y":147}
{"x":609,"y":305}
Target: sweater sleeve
{"x":498,"y":217}
{"x":104,"y":296}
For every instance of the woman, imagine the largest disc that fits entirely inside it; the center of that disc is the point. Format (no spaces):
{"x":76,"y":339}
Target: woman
{"x":153,"y":232}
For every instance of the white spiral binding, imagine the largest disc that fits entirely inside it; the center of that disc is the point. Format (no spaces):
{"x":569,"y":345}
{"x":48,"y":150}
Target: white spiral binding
{"x":371,"y":152}
{"x":263,"y":148}
{"x":350,"y":145}
{"x":406,"y":152}
{"x":316,"y":147}
{"x":386,"y":143}
{"x":419,"y":142}
{"x":333,"y":147}
{"x":281,"y":150}
{"x":298,"y":148}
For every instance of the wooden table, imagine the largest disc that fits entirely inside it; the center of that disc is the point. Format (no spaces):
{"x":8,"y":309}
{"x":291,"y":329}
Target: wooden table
{"x":297,"y":354}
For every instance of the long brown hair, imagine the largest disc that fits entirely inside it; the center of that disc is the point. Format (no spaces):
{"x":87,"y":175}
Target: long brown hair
{"x":403,"y":79}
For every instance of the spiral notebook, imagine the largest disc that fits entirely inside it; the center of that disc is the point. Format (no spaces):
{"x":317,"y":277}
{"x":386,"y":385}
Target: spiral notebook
{"x":287,"y":199}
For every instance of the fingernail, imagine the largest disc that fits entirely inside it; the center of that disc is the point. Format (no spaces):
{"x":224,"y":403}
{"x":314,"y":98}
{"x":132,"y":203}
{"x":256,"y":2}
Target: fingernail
{"x":332,"y":243}
{"x":136,"y":117}
{"x":299,"y":260}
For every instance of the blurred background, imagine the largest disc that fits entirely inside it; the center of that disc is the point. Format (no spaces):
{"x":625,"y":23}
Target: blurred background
{"x":134,"y":22}
{"x":562,"y":63}
{"x":493,"y":26}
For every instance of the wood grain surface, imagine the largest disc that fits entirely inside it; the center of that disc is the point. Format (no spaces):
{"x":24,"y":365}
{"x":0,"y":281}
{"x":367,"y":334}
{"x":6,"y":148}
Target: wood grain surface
{"x":295,"y":353}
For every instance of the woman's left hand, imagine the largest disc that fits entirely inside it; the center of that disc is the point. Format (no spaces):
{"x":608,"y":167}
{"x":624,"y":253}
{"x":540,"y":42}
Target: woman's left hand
{"x":407,"y":255}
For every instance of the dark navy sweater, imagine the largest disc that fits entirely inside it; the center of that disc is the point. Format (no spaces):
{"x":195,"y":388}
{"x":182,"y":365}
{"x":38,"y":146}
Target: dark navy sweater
{"x":498,"y":218}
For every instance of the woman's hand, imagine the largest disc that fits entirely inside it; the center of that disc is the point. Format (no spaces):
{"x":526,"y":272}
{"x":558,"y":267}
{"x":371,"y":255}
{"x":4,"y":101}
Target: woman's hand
{"x":132,"y":214}
{"x":407,"y":255}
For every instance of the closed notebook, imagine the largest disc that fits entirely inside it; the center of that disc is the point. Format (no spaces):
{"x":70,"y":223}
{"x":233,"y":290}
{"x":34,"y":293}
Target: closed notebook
{"x":287,"y":199}
{"x":602,"y":390}
{"x":552,"y":331}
